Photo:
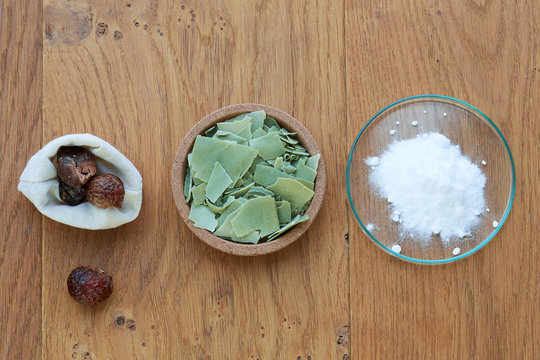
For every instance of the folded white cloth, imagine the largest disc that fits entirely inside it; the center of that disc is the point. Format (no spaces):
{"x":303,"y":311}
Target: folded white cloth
{"x":39,"y":183}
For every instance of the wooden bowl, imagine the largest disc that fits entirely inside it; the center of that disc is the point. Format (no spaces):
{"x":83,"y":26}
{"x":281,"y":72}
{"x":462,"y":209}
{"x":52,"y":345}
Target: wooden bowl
{"x":180,"y":164}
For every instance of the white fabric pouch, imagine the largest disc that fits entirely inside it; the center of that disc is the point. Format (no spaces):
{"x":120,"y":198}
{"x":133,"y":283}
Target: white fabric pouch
{"x":39,"y":183}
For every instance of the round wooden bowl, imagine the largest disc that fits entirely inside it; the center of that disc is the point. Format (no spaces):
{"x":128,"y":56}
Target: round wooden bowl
{"x":180,"y":164}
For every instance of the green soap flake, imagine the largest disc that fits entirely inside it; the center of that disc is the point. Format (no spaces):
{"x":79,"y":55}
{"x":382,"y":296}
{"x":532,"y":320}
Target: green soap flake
{"x":269,"y":146}
{"x":286,"y":132}
{"x":288,"y":169}
{"x":273,"y":129}
{"x":289,"y":140}
{"x":230,"y":209}
{"x":256,"y":214}
{"x":297,"y":220}
{"x":240,"y":182}
{"x":258,"y":191}
{"x":242,"y":191}
{"x":203,"y":217}
{"x":195,"y":180}
{"x":235,"y":159}
{"x":278,"y":163}
{"x":258,"y":133}
{"x":211,"y":131}
{"x":313,"y":162}
{"x":251,"y":238}
{"x":271,"y":122}
{"x":199,"y":194}
{"x":190,"y":155}
{"x":283,"y":211}
{"x":305,"y":172}
{"x":257,"y":119}
{"x":266,"y":175}
{"x":245,"y":132}
{"x":234,"y":126}
{"x":258,"y":160}
{"x":219,"y":209}
{"x":224,"y":230}
{"x":187,"y":185}
{"x":293,"y":191}
{"x":229,"y":136}
{"x":218,"y":182}
{"x":296,"y":151}
{"x":306,"y":183}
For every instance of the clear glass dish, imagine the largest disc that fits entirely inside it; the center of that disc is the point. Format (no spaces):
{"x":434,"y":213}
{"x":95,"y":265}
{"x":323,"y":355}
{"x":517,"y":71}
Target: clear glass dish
{"x":478,"y":138}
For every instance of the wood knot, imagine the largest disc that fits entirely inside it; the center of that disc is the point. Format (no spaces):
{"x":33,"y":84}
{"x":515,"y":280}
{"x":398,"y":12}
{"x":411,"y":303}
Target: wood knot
{"x":120,"y":320}
{"x":118,"y":35}
{"x":66,"y":22}
{"x":102,"y":29}
{"x":131,"y":325}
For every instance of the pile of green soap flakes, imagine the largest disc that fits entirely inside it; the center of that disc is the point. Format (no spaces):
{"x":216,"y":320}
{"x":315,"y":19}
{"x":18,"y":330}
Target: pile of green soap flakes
{"x":249,"y":180}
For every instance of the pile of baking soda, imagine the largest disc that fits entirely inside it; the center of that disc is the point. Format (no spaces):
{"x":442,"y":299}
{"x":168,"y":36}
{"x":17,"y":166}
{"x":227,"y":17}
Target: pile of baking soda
{"x":431,"y":186}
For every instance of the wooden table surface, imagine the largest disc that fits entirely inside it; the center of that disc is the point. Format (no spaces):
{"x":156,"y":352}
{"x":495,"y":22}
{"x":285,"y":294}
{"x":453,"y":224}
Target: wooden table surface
{"x":140,"y":74}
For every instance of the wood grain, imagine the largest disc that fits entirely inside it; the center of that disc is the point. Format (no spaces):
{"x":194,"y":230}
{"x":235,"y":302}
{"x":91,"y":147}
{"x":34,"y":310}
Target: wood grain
{"x":486,"y":53}
{"x":20,"y":137}
{"x":140,"y":76}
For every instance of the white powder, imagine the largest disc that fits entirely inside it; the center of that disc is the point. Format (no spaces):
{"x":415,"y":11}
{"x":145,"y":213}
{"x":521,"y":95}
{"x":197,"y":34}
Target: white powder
{"x":372,"y":161}
{"x":396,"y":248}
{"x":370,"y":227}
{"x":431,"y":187}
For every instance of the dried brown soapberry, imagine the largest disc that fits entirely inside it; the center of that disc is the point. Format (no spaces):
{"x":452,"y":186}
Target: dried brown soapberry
{"x":76,"y":165}
{"x":70,"y":194}
{"x":89,"y":286}
{"x":105,"y":190}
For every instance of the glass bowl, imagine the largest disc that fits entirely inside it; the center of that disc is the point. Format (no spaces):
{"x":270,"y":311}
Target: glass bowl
{"x":477,"y":137}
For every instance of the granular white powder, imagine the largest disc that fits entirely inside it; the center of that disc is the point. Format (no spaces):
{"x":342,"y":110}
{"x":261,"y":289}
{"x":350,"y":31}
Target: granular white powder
{"x":432,"y":188}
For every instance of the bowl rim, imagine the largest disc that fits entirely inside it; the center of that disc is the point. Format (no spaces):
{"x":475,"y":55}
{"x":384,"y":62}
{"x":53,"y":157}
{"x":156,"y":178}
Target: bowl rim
{"x":432,"y":97}
{"x":180,"y":162}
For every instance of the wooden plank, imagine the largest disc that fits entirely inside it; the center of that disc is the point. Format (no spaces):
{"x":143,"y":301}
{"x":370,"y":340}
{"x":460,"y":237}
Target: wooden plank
{"x":486,"y":53}
{"x":139,"y":74}
{"x":20,"y":138}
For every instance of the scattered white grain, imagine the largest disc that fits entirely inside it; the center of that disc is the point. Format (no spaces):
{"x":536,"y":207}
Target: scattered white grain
{"x":396,"y":248}
{"x":373,"y":168}
{"x":444,"y":114}
{"x":370,"y":227}
{"x":487,"y":209}
{"x":395,"y":218}
{"x":484,"y":162}
{"x":372,"y":161}
{"x":425,"y":111}
{"x":392,"y":132}
{"x":476,"y":212}
{"x":397,"y":122}
{"x":414,"y":123}
{"x":456,"y":251}
{"x":495,"y":223}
